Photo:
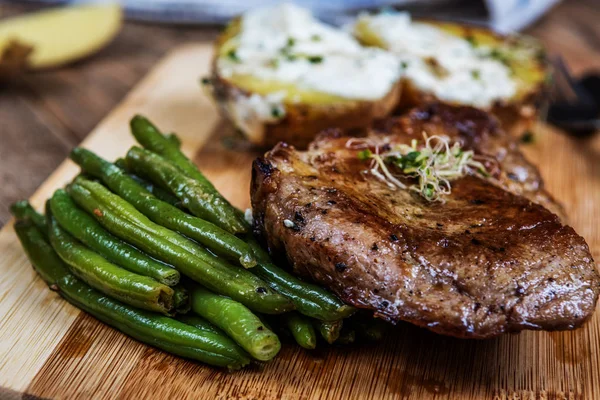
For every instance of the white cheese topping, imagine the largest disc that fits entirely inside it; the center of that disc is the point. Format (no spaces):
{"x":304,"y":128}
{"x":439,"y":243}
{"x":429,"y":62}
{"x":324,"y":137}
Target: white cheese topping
{"x":249,"y":112}
{"x":285,"y":43}
{"x":440,"y":63}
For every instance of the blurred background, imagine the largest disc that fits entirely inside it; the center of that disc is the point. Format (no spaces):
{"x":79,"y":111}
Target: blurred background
{"x":44,"y":113}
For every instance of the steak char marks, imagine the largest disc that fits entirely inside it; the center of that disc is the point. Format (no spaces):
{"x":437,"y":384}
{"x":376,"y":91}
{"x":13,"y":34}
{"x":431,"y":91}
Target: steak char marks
{"x":489,"y":260}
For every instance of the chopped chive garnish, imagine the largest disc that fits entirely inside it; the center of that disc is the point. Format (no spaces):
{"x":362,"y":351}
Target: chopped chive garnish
{"x":527,"y":137}
{"x":471,"y":39}
{"x":315,"y":59}
{"x":232,"y":54}
{"x":276,"y":112}
{"x":364,"y":154}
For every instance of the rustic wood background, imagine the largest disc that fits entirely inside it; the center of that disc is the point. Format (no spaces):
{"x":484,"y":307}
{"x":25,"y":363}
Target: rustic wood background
{"x":55,"y":351}
{"x":43,"y":115}
{"x":48,"y":349}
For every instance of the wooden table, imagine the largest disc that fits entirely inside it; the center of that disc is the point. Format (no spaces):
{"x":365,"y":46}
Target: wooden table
{"x":43,"y":115}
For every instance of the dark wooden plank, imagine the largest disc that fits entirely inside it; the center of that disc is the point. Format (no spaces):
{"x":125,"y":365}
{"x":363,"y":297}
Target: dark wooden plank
{"x":31,"y":147}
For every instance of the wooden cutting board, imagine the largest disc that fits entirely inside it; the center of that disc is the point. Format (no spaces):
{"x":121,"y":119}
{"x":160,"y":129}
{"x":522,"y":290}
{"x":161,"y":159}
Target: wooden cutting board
{"x":50,"y":349}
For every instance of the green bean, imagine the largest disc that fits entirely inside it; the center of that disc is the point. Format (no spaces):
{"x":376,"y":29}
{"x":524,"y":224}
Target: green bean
{"x":173,"y":139}
{"x":309,"y":299}
{"x":123,"y":220}
{"x":23,"y":210}
{"x":40,"y":252}
{"x":368,"y":328}
{"x":203,"y":204}
{"x":181,"y":299}
{"x":216,"y":239}
{"x":119,"y":162}
{"x":200,"y":323}
{"x":133,"y":289}
{"x":150,"y":138}
{"x":347,"y":336}
{"x":160,"y":331}
{"x":240,"y":324}
{"x":157,"y":191}
{"x":92,"y":234}
{"x":302,"y":329}
{"x":163,"y":195}
{"x":330,"y":331}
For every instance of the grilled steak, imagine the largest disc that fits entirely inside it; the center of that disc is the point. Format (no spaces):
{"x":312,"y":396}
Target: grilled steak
{"x":491,"y":259}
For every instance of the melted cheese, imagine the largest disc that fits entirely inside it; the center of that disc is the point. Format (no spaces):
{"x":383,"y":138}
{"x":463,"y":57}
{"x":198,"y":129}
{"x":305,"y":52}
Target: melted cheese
{"x":440,"y":63}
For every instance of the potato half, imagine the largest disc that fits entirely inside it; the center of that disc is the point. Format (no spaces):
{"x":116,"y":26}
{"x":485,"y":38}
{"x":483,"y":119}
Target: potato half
{"x":523,"y":56}
{"x":56,"y":36}
{"x":295,"y":117}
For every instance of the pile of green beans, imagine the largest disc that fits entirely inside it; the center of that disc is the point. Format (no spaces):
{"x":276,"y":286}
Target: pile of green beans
{"x":185,"y":340}
{"x":221,"y":211}
{"x":149,"y":246}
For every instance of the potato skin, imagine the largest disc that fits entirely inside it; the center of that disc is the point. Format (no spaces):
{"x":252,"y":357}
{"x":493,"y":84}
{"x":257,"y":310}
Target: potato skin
{"x":302,"y":121}
{"x":516,"y":116}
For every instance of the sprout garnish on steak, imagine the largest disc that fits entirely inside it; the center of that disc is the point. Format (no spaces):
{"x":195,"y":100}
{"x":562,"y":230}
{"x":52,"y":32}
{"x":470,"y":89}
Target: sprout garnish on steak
{"x":433,"y":163}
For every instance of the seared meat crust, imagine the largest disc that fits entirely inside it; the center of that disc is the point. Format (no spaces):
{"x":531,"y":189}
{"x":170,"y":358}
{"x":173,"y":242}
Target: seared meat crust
{"x":491,"y":259}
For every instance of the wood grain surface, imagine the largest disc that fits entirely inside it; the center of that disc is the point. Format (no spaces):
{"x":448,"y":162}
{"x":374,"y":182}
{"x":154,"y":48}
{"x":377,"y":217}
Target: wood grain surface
{"x":43,"y":115}
{"x":49,"y":349}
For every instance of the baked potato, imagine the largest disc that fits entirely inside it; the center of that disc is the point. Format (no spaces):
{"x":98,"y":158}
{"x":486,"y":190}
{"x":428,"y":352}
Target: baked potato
{"x":506,"y":75}
{"x":280,"y":75}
